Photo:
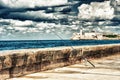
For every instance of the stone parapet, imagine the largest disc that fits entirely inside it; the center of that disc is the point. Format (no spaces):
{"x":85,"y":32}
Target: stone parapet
{"x":20,"y":62}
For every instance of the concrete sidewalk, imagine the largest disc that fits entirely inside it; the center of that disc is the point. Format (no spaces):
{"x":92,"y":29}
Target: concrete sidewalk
{"x":106,"y":69}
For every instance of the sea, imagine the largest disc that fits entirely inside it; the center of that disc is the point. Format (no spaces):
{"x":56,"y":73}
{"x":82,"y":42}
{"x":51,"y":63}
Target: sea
{"x":30,"y":44}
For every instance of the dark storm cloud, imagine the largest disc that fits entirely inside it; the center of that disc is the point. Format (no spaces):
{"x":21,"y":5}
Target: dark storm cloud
{"x":15,"y":9}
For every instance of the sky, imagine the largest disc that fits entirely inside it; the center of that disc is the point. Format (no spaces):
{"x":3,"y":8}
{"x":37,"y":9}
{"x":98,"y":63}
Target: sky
{"x":39,"y":19}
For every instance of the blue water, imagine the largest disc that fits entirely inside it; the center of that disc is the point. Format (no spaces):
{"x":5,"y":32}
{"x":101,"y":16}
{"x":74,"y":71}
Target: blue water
{"x":26,"y":44}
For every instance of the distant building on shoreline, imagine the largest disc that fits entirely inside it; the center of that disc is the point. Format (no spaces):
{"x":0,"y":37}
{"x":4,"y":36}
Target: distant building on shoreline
{"x":87,"y":35}
{"x":93,"y":35}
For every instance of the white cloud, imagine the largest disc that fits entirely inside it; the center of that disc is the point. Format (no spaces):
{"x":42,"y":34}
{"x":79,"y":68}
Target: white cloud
{"x":48,"y":31}
{"x":5,"y":20}
{"x":21,"y":28}
{"x":9,"y":28}
{"x":1,"y":29}
{"x":22,"y":23}
{"x":30,"y":30}
{"x":96,"y":10}
{"x":30,"y":3}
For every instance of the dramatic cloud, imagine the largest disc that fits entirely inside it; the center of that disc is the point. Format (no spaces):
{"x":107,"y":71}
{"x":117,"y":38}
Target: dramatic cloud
{"x":21,"y":29}
{"x":37,"y":19}
{"x":35,"y":15}
{"x":30,"y":3}
{"x":96,"y":11}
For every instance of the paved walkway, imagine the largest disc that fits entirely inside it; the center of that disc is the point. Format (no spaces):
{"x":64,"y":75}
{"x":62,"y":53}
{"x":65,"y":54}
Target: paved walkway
{"x":106,"y":69}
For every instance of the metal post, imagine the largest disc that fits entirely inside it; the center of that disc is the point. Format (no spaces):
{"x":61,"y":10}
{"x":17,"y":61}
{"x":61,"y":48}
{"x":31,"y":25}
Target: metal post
{"x":75,"y":50}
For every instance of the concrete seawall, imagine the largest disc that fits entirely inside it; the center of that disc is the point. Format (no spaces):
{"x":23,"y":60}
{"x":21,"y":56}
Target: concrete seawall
{"x":20,"y":62}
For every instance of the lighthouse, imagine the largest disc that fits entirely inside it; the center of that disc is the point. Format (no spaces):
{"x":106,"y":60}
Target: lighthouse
{"x":81,"y":33}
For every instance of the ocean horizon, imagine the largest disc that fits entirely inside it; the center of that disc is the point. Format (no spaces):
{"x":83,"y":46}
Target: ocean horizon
{"x":33,"y":44}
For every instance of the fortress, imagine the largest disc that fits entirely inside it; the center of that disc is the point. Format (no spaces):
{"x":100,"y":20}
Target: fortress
{"x":93,"y":35}
{"x":87,"y":35}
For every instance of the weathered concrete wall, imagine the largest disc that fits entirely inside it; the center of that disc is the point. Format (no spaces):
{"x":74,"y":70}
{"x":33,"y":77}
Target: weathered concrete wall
{"x":21,"y":62}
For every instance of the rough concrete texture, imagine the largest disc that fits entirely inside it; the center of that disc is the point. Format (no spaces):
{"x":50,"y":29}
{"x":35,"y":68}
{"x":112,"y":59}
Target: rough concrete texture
{"x":20,"y":62}
{"x":107,"y":68}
